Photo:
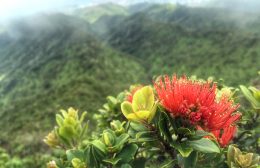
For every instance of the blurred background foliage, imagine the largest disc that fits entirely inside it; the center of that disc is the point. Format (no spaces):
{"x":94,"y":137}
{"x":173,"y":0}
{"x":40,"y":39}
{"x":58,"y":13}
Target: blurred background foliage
{"x":53,"y":61}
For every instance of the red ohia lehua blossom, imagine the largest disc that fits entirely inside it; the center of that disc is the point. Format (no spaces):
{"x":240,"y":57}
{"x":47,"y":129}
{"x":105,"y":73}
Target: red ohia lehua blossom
{"x":197,"y":102}
{"x":226,"y":136}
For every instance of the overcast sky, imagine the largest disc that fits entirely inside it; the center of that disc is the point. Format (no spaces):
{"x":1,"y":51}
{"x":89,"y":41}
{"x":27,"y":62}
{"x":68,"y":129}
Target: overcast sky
{"x":16,"y":8}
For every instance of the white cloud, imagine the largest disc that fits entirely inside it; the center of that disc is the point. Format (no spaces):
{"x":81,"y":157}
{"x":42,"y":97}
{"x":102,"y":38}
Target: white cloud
{"x":16,"y":8}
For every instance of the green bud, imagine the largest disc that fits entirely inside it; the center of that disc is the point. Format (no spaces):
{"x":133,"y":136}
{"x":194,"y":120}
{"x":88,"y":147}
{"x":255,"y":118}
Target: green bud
{"x":73,"y":113}
{"x":70,"y":121}
{"x":118,"y":127}
{"x":109,"y":138}
{"x":52,"y":164}
{"x":52,"y":140}
{"x":77,"y":163}
{"x":236,"y":159}
{"x":67,"y":132}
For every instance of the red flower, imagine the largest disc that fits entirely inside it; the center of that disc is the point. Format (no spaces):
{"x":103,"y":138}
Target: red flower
{"x":225,"y":135}
{"x":196,"y":101}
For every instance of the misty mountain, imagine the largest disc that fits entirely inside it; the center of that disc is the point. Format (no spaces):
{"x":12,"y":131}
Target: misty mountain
{"x":55,"y":65}
{"x":54,"y":61}
{"x":139,"y":7}
{"x":190,"y":40}
{"x":92,"y":14}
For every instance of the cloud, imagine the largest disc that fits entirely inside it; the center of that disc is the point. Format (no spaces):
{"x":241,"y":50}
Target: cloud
{"x":15,"y":8}
{"x":18,"y":8}
{"x":241,"y":5}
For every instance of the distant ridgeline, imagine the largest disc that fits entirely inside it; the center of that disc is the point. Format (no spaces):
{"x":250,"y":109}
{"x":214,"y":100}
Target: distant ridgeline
{"x":53,"y":61}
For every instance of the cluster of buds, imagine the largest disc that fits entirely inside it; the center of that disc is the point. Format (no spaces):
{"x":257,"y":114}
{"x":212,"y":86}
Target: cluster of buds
{"x":237,"y":159}
{"x":69,"y":129}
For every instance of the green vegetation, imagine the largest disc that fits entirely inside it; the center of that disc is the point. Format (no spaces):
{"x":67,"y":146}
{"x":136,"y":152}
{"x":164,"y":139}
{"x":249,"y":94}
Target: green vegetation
{"x":156,"y":133}
{"x":92,"y":14}
{"x":54,"y":61}
{"x":45,"y":72}
{"x":191,"y":41}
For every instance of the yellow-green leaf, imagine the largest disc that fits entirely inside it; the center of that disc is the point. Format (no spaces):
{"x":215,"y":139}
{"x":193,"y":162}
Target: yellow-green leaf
{"x":126,"y":108}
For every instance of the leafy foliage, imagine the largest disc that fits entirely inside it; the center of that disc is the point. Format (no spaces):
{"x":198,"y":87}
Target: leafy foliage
{"x":156,"y":138}
{"x":54,"y":61}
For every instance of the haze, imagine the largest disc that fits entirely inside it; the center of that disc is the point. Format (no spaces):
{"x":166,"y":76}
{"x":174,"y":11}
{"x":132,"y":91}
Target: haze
{"x":10,"y":9}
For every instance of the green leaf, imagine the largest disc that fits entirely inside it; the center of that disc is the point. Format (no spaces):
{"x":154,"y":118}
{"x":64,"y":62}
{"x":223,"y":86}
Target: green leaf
{"x":139,"y":162}
{"x":143,"y":99}
{"x":100,"y":145}
{"x":126,"y":108}
{"x":59,"y":120}
{"x":127,"y":153}
{"x":64,"y":113}
{"x":71,"y":154}
{"x":82,"y":117}
{"x":139,"y":116}
{"x":152,"y":113}
{"x":111,"y":100}
{"x":191,"y":160}
{"x":126,"y":166}
{"x":144,"y":134}
{"x":67,"y":132}
{"x":138,"y":127}
{"x":184,"y":131}
{"x":200,"y":134}
{"x":112,"y":161}
{"x":92,"y":157}
{"x":141,"y":140}
{"x":230,"y":155}
{"x":122,"y":139}
{"x":169,"y":164}
{"x":163,"y":126}
{"x":84,"y":130}
{"x":183,"y":148}
{"x":204,"y":145}
{"x":173,"y":122}
{"x":250,"y":97}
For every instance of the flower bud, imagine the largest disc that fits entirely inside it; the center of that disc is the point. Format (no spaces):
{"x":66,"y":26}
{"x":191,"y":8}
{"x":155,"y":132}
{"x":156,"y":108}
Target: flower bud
{"x":237,"y":159}
{"x":52,"y":140}
{"x":52,"y":164}
{"x":77,"y":163}
{"x":73,"y":113}
{"x":118,"y":127}
{"x":109,"y":138}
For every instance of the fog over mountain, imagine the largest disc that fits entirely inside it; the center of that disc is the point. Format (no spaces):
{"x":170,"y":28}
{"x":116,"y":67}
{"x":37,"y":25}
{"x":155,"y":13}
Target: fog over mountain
{"x":73,"y":53}
{"x":19,"y":8}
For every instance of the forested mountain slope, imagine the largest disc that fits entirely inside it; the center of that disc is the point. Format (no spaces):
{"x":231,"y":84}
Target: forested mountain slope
{"x":193,"y":41}
{"x":54,"y":61}
{"x":51,"y":62}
